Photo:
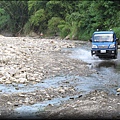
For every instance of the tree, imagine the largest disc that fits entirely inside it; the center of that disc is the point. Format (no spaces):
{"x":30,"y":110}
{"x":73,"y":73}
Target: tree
{"x":3,"y":19}
{"x":78,"y":19}
{"x":53,"y":25}
{"x":18,"y":14}
{"x":37,"y":20}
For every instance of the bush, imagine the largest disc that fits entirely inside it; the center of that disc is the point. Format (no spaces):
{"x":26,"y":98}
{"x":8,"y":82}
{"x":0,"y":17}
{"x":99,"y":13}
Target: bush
{"x":53,"y":25}
{"x":117,"y":31}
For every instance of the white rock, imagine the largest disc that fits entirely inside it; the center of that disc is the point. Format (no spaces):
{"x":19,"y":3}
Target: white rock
{"x":8,"y":82}
{"x":118,"y":90}
{"x":9,"y":103}
{"x":22,"y":95}
{"x":26,"y":100}
{"x":22,"y":80}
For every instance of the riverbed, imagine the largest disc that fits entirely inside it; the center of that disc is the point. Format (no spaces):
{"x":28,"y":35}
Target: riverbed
{"x":38,"y":75}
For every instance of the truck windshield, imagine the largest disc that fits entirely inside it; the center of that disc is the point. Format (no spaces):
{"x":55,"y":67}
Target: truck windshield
{"x":103,"y":37}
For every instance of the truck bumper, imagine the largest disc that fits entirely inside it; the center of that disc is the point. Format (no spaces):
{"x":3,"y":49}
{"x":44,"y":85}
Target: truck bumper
{"x":104,"y":53}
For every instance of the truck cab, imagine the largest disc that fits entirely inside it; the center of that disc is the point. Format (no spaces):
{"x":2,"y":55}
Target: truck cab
{"x":104,"y":44}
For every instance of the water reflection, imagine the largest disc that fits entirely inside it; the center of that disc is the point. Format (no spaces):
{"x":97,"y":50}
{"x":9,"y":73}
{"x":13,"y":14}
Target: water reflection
{"x":106,"y":64}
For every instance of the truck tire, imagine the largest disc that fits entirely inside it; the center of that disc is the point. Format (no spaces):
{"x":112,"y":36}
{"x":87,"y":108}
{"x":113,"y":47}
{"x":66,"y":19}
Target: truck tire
{"x":115,"y":57}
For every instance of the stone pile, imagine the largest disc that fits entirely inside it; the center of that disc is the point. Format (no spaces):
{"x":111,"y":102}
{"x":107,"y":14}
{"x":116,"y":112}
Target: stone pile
{"x":23,"y":59}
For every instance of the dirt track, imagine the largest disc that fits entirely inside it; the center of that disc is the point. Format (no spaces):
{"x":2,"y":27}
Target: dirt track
{"x":27,"y":61}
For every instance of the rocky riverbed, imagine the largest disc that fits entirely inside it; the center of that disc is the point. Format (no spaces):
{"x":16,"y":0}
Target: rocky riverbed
{"x":28,"y":61}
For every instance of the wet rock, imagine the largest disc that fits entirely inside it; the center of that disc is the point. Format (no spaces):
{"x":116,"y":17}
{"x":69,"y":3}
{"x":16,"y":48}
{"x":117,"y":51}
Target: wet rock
{"x":12,"y":71}
{"x":71,"y":97}
{"x":1,"y":75}
{"x":9,"y":103}
{"x":32,"y":94}
{"x":17,"y":88}
{"x":51,"y":105}
{"x":118,"y":90}
{"x":21,"y":95}
{"x":61,"y":90}
{"x":38,"y":80}
{"x":20,"y":102}
{"x":22,"y":80}
{"x":32,"y":102}
{"x":93,"y":98}
{"x":8,"y":82}
{"x":118,"y":93}
{"x":17,"y":104}
{"x":14,"y":84}
{"x":79,"y":96}
{"x":26,"y":100}
{"x":22,"y":75}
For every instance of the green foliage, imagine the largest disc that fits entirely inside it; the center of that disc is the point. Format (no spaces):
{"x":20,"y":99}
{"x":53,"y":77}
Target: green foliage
{"x":70,"y":26}
{"x":117,"y":31}
{"x":55,"y":8}
{"x":35,"y":5}
{"x":17,"y":14}
{"x":38,"y":17}
{"x":3,"y":19}
{"x":27,"y":28}
{"x":64,"y":28}
{"x":76,"y":19}
{"x":37,"y":21}
{"x":53,"y":25}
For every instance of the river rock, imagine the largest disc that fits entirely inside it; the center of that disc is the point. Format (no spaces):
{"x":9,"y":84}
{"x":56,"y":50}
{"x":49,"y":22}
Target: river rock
{"x":118,"y":90}
{"x":22,"y":95}
{"x":9,"y":103}
{"x":61,"y":90}
{"x":8,"y":82}
{"x":26,"y":100}
{"x":22,"y":80}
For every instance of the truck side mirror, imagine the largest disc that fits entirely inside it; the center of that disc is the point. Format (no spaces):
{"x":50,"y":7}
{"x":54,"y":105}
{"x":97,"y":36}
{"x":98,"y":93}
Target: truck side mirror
{"x":90,"y":40}
{"x":117,"y":39}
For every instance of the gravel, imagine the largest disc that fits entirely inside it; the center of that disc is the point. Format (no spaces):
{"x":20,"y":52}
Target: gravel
{"x":30,"y":60}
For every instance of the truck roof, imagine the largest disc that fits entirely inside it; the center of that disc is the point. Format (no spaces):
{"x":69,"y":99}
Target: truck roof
{"x":104,"y":32}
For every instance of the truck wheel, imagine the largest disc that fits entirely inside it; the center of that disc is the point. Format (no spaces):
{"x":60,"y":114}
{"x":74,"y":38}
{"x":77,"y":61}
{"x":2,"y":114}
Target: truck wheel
{"x":115,"y":57}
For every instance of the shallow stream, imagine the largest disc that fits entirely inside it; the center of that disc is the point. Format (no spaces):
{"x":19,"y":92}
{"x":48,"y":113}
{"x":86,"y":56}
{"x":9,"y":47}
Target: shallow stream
{"x":106,"y":78}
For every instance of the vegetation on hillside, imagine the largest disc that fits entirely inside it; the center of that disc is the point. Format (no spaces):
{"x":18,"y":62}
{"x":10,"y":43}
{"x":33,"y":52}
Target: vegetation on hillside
{"x":76,"y":19}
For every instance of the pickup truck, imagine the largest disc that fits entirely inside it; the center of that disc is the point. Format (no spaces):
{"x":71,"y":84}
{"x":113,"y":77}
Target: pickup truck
{"x":104,"y":44}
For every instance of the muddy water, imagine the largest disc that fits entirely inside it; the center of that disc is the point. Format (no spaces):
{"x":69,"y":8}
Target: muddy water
{"x":106,"y":78}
